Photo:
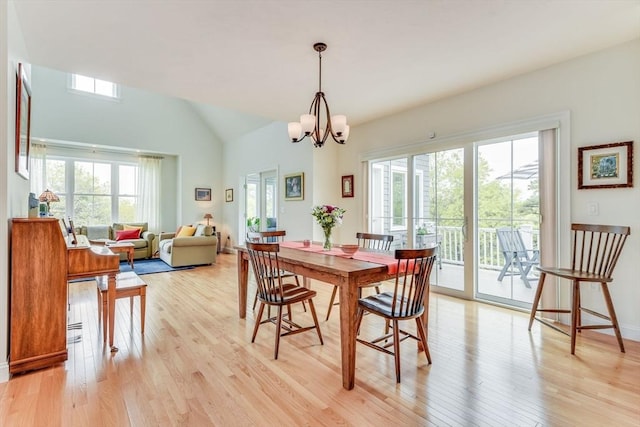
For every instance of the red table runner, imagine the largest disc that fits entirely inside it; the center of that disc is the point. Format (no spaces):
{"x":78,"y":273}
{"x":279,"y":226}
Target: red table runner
{"x":374,"y":257}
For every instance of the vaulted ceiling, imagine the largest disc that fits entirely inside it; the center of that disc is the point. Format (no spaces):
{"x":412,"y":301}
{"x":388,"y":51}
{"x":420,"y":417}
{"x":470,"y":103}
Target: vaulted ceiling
{"x":256,"y":56}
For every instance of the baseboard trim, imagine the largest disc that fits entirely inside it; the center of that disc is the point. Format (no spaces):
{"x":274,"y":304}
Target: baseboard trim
{"x":4,"y":372}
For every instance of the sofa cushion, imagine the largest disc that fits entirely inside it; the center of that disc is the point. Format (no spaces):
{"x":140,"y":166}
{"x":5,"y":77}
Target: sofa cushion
{"x":133,"y":227}
{"x":95,"y":232}
{"x":165,"y":245}
{"x":120,"y":225}
{"x":186,"y":231}
{"x":200,"y":230}
{"x":128,"y":234}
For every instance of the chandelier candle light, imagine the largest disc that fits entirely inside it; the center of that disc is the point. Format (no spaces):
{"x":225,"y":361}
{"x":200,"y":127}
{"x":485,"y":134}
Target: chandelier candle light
{"x":327,"y":216}
{"x":309,"y":124}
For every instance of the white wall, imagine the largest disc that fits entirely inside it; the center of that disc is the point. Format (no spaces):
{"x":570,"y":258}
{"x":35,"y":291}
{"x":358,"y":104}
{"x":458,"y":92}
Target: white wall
{"x":602,"y":93}
{"x":139,"y":120}
{"x":13,"y":188}
{"x":268,"y":148}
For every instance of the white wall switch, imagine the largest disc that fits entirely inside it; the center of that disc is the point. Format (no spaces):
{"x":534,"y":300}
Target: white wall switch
{"x":593,"y":209}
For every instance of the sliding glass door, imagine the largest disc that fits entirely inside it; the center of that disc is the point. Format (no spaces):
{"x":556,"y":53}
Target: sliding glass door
{"x":478,"y":203}
{"x":420,"y":201}
{"x":508,"y":219}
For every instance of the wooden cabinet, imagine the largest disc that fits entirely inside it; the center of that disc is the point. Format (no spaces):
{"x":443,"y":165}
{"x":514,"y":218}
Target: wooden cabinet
{"x":38,"y":294}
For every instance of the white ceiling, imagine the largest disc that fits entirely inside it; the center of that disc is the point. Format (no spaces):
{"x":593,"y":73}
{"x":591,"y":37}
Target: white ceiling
{"x":256,"y":56}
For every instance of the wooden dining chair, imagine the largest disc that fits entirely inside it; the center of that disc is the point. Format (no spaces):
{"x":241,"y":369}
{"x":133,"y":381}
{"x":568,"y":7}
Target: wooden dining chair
{"x":274,"y":236}
{"x":408,"y":300}
{"x":595,"y":252}
{"x":376,"y":242}
{"x":273,"y":291}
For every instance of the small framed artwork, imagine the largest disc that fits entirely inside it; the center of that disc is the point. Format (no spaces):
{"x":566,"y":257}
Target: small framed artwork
{"x":606,"y":166}
{"x":228,"y":195}
{"x":203,"y":194}
{"x":23,"y":122}
{"x":294,"y":186}
{"x":347,"y":186}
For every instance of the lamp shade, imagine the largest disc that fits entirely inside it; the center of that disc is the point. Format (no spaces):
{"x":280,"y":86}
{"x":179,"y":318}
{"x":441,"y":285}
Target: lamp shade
{"x":48,"y":196}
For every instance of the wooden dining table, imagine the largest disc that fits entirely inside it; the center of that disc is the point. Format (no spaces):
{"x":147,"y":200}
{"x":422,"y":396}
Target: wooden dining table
{"x":347,"y":273}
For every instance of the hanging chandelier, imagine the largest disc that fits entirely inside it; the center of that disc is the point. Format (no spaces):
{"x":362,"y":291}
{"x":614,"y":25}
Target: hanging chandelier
{"x":309,"y":124}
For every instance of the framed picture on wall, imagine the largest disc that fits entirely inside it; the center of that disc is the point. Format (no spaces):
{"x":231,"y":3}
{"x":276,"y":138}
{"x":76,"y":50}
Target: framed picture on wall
{"x":347,"y":186}
{"x":23,"y":122}
{"x":294,"y":186}
{"x":203,"y":194}
{"x":228,"y":195}
{"x":606,"y":165}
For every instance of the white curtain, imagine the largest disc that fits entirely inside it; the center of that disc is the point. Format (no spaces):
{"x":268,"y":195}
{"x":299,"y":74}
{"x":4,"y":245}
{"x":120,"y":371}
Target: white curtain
{"x":148,"y":206}
{"x":548,"y":208}
{"x":38,"y":173}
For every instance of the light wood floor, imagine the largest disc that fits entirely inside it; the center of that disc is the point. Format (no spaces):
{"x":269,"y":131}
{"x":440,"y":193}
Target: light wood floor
{"x":196,"y":366}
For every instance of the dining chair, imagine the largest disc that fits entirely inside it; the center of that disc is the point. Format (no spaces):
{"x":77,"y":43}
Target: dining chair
{"x":375,"y":242}
{"x":274,"y":236}
{"x":273,"y":291}
{"x":408,"y":300}
{"x":595,"y":252}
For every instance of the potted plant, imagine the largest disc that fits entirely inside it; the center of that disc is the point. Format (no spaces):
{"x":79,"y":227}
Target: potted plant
{"x":253,"y":223}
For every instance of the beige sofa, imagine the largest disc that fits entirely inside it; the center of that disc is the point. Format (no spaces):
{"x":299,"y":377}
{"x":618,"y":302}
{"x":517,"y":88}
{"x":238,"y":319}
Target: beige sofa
{"x":143,"y":247}
{"x":199,"y":249}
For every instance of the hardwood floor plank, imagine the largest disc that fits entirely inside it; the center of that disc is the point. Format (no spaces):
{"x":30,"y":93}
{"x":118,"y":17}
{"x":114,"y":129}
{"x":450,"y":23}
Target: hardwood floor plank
{"x":196,"y":366}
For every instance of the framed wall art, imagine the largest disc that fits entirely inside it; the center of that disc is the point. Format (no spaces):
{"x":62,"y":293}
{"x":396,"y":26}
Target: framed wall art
{"x":23,"y":122}
{"x":606,"y":165}
{"x":203,"y":194}
{"x":294,"y":186}
{"x":347,"y":186}
{"x":228,"y":195}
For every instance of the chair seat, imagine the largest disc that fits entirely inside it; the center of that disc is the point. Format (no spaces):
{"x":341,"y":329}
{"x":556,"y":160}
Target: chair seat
{"x":567,"y":273}
{"x":291,"y":294}
{"x":381,"y":304}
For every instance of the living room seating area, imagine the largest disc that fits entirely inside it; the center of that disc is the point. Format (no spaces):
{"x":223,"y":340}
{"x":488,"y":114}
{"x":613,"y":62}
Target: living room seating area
{"x":137,"y":233}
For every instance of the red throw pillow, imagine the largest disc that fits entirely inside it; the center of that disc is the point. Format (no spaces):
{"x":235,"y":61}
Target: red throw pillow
{"x":128,"y":234}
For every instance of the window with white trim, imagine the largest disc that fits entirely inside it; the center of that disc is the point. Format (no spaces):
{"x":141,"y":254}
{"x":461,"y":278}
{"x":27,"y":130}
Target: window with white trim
{"x":94,"y":86}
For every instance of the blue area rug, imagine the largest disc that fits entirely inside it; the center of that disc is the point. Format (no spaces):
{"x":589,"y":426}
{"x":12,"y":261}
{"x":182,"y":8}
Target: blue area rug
{"x":145,"y":266}
{"x":150,"y":266}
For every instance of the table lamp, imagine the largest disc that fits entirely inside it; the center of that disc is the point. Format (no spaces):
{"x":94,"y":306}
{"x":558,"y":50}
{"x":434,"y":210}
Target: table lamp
{"x":208,"y":217}
{"x":48,"y":196}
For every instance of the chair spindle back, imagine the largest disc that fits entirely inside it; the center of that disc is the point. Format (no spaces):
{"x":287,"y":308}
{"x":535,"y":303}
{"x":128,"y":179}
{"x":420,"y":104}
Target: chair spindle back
{"x":264,"y":260}
{"x":412,"y":280}
{"x":596,"y":248}
{"x":378,"y":242}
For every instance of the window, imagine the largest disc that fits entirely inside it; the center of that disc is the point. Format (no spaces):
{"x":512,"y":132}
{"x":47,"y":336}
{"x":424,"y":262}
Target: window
{"x":93,"y":192}
{"x":94,"y":86}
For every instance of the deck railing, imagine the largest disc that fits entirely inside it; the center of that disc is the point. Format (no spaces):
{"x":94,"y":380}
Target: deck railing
{"x":451,"y":240}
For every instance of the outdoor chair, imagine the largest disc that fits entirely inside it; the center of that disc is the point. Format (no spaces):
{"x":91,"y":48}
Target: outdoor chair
{"x":595,"y":252}
{"x":516,"y":255}
{"x":273,"y":291}
{"x":408,"y":300}
{"x":376,"y":242}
